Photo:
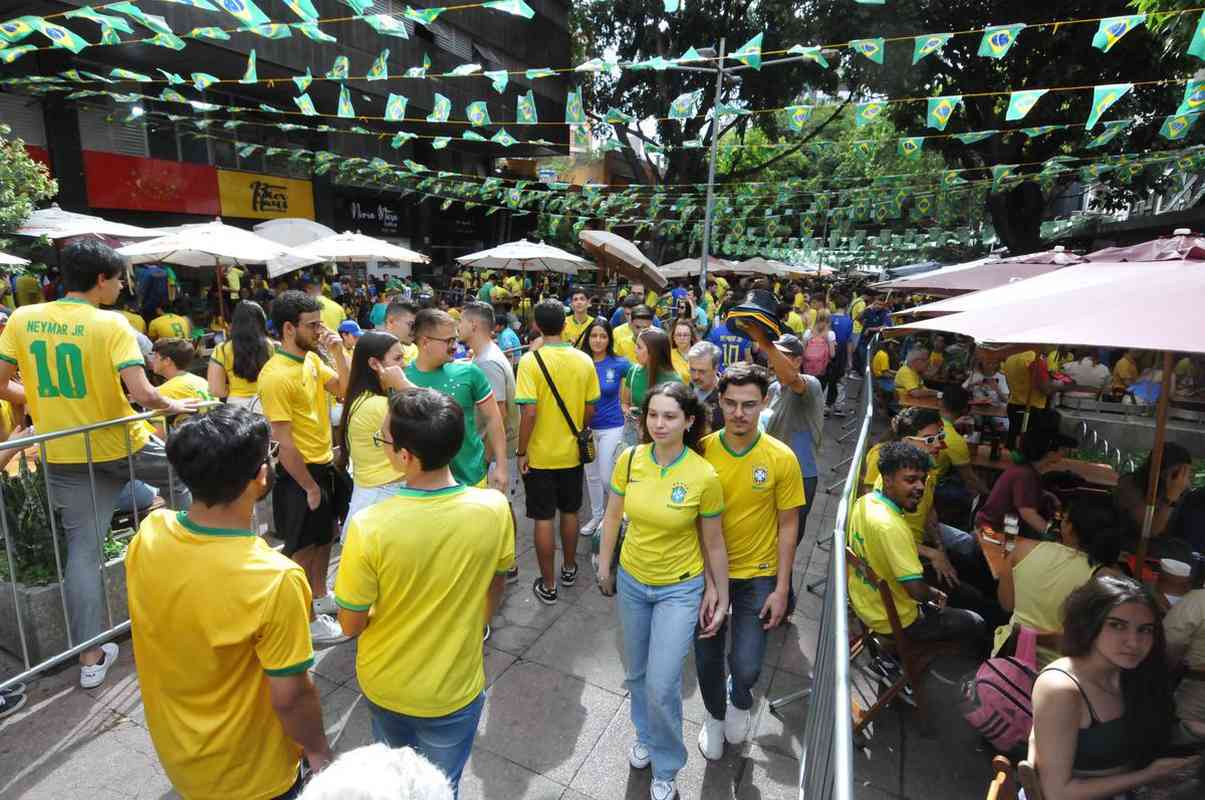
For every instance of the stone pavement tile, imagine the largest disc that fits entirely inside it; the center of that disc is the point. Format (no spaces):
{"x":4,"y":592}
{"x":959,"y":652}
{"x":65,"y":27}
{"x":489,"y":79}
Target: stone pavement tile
{"x":574,"y":794}
{"x":693,"y":708}
{"x":337,"y":663}
{"x":119,"y":692}
{"x":799,"y":646}
{"x":949,"y":762}
{"x":584,"y":644}
{"x":544,"y":720}
{"x":877,"y":758}
{"x":606,"y":775}
{"x":768,"y":775}
{"x":592,"y":599}
{"x":522,"y":619}
{"x":492,"y":777}
{"x":783,"y":733}
{"x":496,"y":662}
{"x":347,"y":719}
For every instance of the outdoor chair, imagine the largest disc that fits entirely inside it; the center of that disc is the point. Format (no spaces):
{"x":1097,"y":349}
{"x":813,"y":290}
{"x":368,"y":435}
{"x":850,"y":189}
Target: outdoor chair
{"x":913,"y":658}
{"x":1003,"y":785}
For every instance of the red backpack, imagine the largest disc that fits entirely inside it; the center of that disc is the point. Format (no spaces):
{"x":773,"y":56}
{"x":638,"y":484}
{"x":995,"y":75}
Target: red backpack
{"x":815,"y":355}
{"x":996,"y":700}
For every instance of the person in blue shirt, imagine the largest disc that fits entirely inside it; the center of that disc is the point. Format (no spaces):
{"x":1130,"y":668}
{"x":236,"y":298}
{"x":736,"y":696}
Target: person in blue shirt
{"x":508,"y":340}
{"x":842,"y":326}
{"x":607,"y":423}
{"x":733,"y":346}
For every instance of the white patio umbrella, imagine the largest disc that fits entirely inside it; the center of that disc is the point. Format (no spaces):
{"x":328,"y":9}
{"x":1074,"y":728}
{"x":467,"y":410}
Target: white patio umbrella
{"x":216,"y":244}
{"x":12,"y":261}
{"x":347,"y":246}
{"x":525,"y":256}
{"x":688,"y":267}
{"x":292,"y":231}
{"x":55,"y":223}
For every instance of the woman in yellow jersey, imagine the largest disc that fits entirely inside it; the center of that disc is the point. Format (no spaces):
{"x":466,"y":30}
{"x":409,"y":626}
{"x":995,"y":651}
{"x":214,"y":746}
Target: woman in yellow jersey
{"x":234,"y":367}
{"x":671,"y":495}
{"x":376,"y":369}
{"x":683,"y":338}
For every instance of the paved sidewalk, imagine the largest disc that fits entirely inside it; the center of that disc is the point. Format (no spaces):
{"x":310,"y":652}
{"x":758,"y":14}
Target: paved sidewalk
{"x":556,"y":724}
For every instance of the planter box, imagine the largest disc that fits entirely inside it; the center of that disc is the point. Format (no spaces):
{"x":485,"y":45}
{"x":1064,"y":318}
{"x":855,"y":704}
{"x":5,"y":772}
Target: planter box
{"x":41,"y":610}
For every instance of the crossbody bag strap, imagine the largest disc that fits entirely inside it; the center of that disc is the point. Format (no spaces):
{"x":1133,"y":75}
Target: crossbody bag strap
{"x":555,"y":394}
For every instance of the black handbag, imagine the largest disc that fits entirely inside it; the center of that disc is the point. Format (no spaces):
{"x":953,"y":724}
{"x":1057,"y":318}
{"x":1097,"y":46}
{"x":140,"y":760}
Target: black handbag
{"x":584,"y":437}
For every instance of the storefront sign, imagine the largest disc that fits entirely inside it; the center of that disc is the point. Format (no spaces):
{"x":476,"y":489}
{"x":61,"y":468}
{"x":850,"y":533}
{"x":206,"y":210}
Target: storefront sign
{"x":377,"y":215}
{"x":254,"y":196}
{"x":149,"y":184}
{"x":370,"y":213}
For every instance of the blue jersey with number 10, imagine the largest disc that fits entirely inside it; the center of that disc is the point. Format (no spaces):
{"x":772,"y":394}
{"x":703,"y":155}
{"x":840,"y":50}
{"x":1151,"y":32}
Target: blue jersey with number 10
{"x":733,"y":346}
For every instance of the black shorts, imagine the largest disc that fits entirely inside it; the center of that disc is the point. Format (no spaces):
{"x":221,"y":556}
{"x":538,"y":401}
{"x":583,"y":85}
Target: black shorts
{"x":548,"y":491}
{"x":295,"y":523}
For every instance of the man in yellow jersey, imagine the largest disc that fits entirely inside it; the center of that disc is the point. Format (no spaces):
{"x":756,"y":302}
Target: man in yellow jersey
{"x":763,"y":488}
{"x":910,"y":379}
{"x":549,"y":458}
{"x":879,"y":536}
{"x":174,"y":323}
{"x":421,"y":572}
{"x":250,"y":648}
{"x":399,"y":320}
{"x":311,"y":494}
{"x":580,"y":321}
{"x":856,"y":307}
{"x":170,"y":360}
{"x":74,"y":360}
{"x":28,"y":289}
{"x":1028,"y":388}
{"x":332,"y":313}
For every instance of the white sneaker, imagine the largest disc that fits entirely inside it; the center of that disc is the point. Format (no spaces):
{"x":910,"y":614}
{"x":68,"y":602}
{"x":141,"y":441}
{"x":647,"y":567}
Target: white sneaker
{"x":325,"y":605}
{"x":590,"y":527}
{"x":711,"y":739}
{"x":736,"y":724}
{"x":639,"y":756}
{"x":324,"y":630}
{"x":663,"y":790}
{"x":93,"y":676}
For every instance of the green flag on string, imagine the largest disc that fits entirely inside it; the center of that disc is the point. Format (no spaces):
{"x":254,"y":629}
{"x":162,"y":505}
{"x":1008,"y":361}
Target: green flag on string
{"x":380,"y":67}
{"x":952,"y":177}
{"x":683,"y":106}
{"x":216,"y":34}
{"x":575,"y":112}
{"x":1002,"y":171}
{"x":998,"y":39}
{"x":1197,"y":46}
{"x":503,"y":138}
{"x":423,"y":16}
{"x":473,"y":136}
{"x":974,"y":137}
{"x":387,"y":25}
{"x":539,"y":72}
{"x":910,"y":147}
{"x":442,"y":107}
{"x":1103,"y":97}
{"x":813,"y":54}
{"x":169,"y":40}
{"x":310,"y":30}
{"x":617,"y":117}
{"x":1174,"y":128}
{"x":60,"y":36}
{"x":339,"y":69}
{"x":129,"y":75}
{"x":525,"y":109}
{"x":797,"y":117}
{"x":941,"y":109}
{"x":172,"y":96}
{"x":929,"y":44}
{"x":202,"y":80}
{"x":728,"y":109}
{"x":305,"y":105}
{"x":516,"y":7}
{"x":304,"y":9}
{"x":103,"y":20}
{"x":864,"y":150}
{"x":152,"y":22}
{"x":866,"y":113}
{"x":245,"y":11}
{"x":1110,"y":30}
{"x":478,"y":113}
{"x":465,"y":69}
{"x":500,"y":78}
{"x":439,"y":143}
{"x":400,"y":138}
{"x":249,"y":75}
{"x":14,"y":30}
{"x":1112,"y":130}
{"x":871,"y":48}
{"x":172,"y":78}
{"x":395,"y":107}
{"x":1041,"y":130}
{"x":420,"y":72}
{"x":1194,"y":97}
{"x":303,"y":81}
{"x":1022,"y":102}
{"x":273,"y":30}
{"x":345,"y":107}
{"x":749,"y":53}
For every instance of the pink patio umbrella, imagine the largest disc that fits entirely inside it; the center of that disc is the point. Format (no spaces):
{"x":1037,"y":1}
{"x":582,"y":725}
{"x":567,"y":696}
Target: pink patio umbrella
{"x":983,"y":274}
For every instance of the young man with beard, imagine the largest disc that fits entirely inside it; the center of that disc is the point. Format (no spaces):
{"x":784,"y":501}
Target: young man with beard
{"x":880,"y":536}
{"x":230,"y":705}
{"x":763,"y":487}
{"x":311,"y":494}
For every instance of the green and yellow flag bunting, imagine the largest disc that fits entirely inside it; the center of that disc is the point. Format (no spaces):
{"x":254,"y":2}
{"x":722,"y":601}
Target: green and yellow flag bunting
{"x":1194,"y":97}
{"x":750,"y":53}
{"x":866,"y":113}
{"x":214,"y":34}
{"x":311,"y":31}
{"x":928,"y":45}
{"x":478,"y":113}
{"x":441,"y":108}
{"x":974,"y":137}
{"x":339,"y":69}
{"x":395,"y":107}
{"x":60,"y":36}
{"x":1197,"y":46}
{"x":345,"y":107}
{"x":525,"y":109}
{"x":244,"y":11}
{"x":516,"y":7}
{"x":1112,"y":29}
{"x":1112,"y":130}
{"x":575,"y":112}
{"x":303,"y":81}
{"x":941,"y":109}
{"x":423,"y":16}
{"x":797,"y":117}
{"x":910,"y":147}
{"x":813,"y":54}
{"x":272,"y":30}
{"x":500,"y":78}
{"x":1022,"y":102}
{"x":380,"y":67}
{"x":871,"y":48}
{"x":999,"y":39}
{"x":305,"y":105}
{"x":1103,"y":97}
{"x":1175,"y":127}
{"x":249,"y":75}
{"x":684,"y":105}
{"x":386,"y":25}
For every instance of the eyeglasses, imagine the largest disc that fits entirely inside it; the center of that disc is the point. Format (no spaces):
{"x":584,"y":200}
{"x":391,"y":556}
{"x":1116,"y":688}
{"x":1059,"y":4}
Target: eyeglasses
{"x":379,"y":441}
{"x":929,"y":441}
{"x":447,"y":341}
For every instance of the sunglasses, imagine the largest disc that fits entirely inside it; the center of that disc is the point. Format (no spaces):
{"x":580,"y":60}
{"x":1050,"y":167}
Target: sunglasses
{"x":929,"y":441}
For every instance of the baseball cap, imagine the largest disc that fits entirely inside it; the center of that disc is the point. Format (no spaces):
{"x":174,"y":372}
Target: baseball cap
{"x":789,"y":344}
{"x":350,"y":326}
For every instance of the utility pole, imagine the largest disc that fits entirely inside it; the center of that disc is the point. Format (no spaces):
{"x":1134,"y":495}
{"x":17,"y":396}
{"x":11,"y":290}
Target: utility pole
{"x":715,"y":137}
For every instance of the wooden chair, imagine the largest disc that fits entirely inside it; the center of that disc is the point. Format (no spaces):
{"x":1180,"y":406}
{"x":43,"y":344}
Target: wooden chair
{"x":914,"y":658}
{"x":1027,"y":775}
{"x":1003,"y":785}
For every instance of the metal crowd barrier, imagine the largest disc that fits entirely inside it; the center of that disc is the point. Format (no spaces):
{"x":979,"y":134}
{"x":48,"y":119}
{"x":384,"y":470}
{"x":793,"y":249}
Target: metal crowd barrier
{"x":14,"y":589}
{"x":826,"y":765}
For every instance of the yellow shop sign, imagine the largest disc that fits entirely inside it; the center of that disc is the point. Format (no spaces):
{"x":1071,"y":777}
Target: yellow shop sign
{"x":254,"y":196}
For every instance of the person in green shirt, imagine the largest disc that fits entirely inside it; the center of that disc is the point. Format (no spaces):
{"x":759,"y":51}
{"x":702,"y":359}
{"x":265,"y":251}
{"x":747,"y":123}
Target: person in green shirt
{"x":652,"y":358}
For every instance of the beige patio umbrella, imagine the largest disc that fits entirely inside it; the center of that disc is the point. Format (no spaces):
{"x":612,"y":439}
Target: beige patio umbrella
{"x":347,"y":247}
{"x":617,"y":253}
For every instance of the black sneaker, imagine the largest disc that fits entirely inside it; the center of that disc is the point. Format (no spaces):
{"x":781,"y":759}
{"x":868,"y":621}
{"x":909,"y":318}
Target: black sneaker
{"x":10,"y":703}
{"x":512,"y":575}
{"x":568,"y":576}
{"x":544,"y":594}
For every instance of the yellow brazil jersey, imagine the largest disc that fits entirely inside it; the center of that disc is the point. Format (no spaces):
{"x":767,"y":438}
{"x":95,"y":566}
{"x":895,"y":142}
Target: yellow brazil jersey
{"x":918,"y":519}
{"x":880,"y":363}
{"x":879,"y":536}
{"x":809,"y":318}
{"x":29,"y":289}
{"x":721,"y":285}
{"x":625,"y":342}
{"x":185,"y":386}
{"x":169,"y":325}
{"x":136,"y":320}
{"x":552,"y":446}
{"x":513,"y":284}
{"x":1125,"y":372}
{"x":332,"y":313}
{"x":936,"y":360}
{"x":800,"y":302}
{"x":855,"y":313}
{"x":370,"y":465}
{"x":680,"y":365}
{"x":650,"y":299}
{"x":906,"y":380}
{"x":795,"y":322}
{"x":662,"y":505}
{"x":573,"y":329}
{"x":293,"y":389}
{"x":190,"y":653}
{"x":236,"y":386}
{"x":758,"y":483}
{"x":1020,"y":383}
{"x":409,"y":354}
{"x":426,"y":585}
{"x":69,"y":354}
{"x":956,"y":453}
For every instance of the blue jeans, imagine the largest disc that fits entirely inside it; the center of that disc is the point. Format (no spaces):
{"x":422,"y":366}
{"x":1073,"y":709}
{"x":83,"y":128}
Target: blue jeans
{"x":748,"y":596}
{"x":444,"y":741}
{"x":958,"y":541}
{"x":658,"y":626}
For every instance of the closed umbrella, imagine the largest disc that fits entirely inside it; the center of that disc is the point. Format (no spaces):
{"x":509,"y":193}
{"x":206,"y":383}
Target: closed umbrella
{"x":617,"y":253}
{"x":525,"y":256}
{"x":346,"y":247}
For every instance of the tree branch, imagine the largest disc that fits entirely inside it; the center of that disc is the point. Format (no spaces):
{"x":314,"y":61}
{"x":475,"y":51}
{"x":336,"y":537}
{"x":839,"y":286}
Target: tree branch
{"x":792,"y":150}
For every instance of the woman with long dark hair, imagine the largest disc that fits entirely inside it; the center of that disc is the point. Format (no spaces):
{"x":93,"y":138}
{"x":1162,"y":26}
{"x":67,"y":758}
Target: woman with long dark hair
{"x":376,"y":369}
{"x":683,"y":337}
{"x":669,"y":584}
{"x":1103,"y":713}
{"x":234,"y":368}
{"x":654,"y":366}
{"x":598,"y":342}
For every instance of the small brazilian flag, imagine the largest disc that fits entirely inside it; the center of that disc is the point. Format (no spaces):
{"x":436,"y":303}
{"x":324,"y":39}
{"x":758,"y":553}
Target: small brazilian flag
{"x":1194,"y":97}
{"x":974,"y":137}
{"x":797,"y":117}
{"x":244,"y":11}
{"x":305,"y":105}
{"x":910,"y":147}
{"x":1197,"y":46}
{"x":380,"y":67}
{"x":871,"y":48}
{"x":503,"y":138}
{"x":249,"y":75}
{"x":478,"y":113}
{"x":311,"y":31}
{"x":202,"y":80}
{"x":929,"y":44}
{"x":17,"y":29}
{"x":866,"y":113}
{"x":941,"y":109}
{"x":1112,"y":29}
{"x":443,"y":107}
{"x":998,"y":39}
{"x":272,"y":30}
{"x":423,"y":16}
{"x":303,"y":81}
{"x":60,"y":36}
{"x":1103,"y":97}
{"x":338,"y":70}
{"x":684,"y":104}
{"x":214,"y":33}
{"x":750,"y":52}
{"x":525,"y":109}
{"x":303,"y":9}
{"x":575,"y":113}
{"x":385,"y":25}
{"x":1177,"y":126}
{"x":1022,"y":102}
{"x":1112,"y":130}
{"x":345,"y":107}
{"x":500,"y":78}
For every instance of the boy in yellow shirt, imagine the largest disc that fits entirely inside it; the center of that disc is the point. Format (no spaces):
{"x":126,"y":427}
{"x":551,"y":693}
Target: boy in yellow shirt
{"x":175,"y":323}
{"x":170,"y":359}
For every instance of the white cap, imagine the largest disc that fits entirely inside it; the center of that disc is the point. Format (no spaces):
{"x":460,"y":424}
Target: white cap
{"x":1176,"y":568}
{"x":1182,"y":232}
{"x":1058,"y":248}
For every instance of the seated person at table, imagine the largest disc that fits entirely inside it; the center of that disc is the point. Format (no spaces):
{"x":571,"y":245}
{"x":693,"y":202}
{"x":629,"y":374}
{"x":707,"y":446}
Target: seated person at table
{"x":957,"y":480}
{"x":1019,"y":490}
{"x":987,"y":383}
{"x":880,"y":536}
{"x":1184,"y":627}
{"x":880,"y":368}
{"x":1125,"y":372}
{"x":1039,"y":576}
{"x":1189,"y":372}
{"x":1103,"y":713}
{"x":910,"y":381}
{"x":1087,"y":372}
{"x":1175,"y":478}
